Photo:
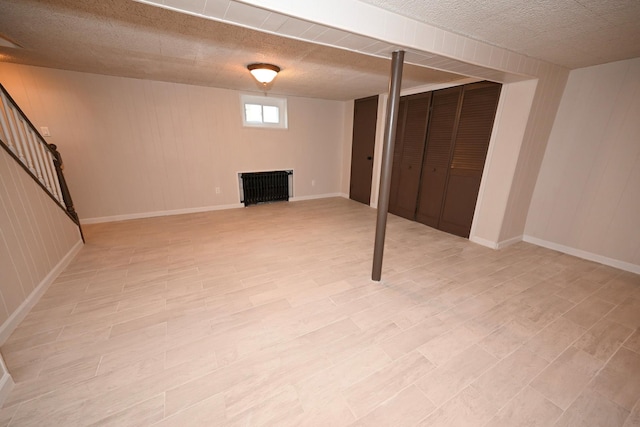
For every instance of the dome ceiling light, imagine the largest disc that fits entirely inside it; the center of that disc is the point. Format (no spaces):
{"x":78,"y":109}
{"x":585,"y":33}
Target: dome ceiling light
{"x":264,"y":73}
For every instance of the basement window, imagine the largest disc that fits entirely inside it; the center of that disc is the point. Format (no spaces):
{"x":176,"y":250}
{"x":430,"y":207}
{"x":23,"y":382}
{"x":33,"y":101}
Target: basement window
{"x":264,"y":111}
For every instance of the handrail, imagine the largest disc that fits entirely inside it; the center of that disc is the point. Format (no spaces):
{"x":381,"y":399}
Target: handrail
{"x":19,"y":137}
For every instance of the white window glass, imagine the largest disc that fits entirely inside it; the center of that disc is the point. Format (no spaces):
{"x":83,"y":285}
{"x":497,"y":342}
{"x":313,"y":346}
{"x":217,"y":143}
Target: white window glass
{"x":264,"y":111}
{"x":271,"y":114}
{"x":253,"y":113}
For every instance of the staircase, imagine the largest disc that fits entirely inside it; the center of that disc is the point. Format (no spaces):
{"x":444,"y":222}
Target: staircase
{"x":42,"y":161}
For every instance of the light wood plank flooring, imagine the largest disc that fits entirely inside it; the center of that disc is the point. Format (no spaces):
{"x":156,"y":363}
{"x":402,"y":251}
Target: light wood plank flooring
{"x":266,"y":316}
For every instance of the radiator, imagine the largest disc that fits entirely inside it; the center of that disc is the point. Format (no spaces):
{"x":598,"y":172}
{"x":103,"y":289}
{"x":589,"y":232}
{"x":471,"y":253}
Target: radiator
{"x":264,"y":187}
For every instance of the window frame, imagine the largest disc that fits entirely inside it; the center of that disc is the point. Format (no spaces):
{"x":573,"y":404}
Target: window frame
{"x":268,"y":101}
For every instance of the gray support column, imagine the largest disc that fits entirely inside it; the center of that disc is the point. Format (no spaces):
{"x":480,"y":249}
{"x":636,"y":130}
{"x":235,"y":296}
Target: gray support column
{"x":393,"y":104}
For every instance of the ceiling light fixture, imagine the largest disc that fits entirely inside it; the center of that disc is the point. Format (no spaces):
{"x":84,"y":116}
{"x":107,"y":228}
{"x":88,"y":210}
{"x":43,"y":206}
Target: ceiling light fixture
{"x":264,"y":73}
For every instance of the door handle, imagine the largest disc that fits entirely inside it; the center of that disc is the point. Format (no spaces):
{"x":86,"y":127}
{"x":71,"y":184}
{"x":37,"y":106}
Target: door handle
{"x":369,"y":158}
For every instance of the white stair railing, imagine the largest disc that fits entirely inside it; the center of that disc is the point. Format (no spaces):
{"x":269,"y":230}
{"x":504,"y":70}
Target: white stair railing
{"x":28,"y":146}
{"x":41,"y":160}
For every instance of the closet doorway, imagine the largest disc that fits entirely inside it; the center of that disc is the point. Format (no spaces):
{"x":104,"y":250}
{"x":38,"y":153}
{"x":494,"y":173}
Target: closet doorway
{"x":440,"y":150}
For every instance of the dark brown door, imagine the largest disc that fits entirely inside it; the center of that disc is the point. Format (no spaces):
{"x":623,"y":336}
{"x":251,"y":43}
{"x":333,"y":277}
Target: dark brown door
{"x":440,"y":149}
{"x":365,"y":115}
{"x":397,"y":157}
{"x":408,"y":154}
{"x":479,"y":104}
{"x":442,"y":123}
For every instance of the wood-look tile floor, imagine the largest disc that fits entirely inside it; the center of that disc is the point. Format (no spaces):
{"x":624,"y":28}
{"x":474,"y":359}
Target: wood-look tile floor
{"x":266,"y":316}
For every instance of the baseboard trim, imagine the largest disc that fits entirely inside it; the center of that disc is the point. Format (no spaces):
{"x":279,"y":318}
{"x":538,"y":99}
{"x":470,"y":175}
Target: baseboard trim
{"x":483,"y":242}
{"x":126,"y":217}
{"x":509,"y":242}
{"x":495,"y":245}
{"x":20,"y":313}
{"x":622,"y":265}
{"x":315,"y":196}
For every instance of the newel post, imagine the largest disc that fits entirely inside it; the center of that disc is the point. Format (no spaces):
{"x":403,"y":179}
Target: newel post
{"x":66,"y":195}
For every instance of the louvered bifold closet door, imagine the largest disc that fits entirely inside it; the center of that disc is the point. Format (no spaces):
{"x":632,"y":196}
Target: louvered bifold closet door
{"x":479,"y":104}
{"x":397,"y":157}
{"x":408,"y":168}
{"x":442,"y":123}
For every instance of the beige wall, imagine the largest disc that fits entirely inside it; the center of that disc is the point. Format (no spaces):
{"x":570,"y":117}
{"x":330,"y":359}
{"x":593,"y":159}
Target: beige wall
{"x":502,"y":158}
{"x":138,"y":147}
{"x":545,"y":104}
{"x":587,"y":196}
{"x":36,"y":239}
{"x":346,"y":148}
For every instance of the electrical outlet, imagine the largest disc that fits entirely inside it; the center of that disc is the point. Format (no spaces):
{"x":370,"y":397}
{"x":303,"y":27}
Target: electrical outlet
{"x":44,"y":130}
{"x":217,"y":190}
{"x":313,"y":182}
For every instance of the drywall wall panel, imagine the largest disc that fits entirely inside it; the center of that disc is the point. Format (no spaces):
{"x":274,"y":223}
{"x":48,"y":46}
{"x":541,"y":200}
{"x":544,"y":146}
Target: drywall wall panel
{"x":500,"y":166}
{"x":534,"y":142}
{"x":36,"y":239}
{"x":587,"y":195}
{"x":347,"y":139}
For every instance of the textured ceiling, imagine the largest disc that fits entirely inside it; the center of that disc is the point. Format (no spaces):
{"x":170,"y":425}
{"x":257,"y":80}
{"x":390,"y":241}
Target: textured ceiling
{"x":132,"y":39}
{"x":570,"y":33}
{"x":126,"y":38}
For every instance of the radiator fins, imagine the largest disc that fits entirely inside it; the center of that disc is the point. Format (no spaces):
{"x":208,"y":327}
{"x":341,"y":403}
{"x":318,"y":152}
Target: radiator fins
{"x":265,"y":187}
